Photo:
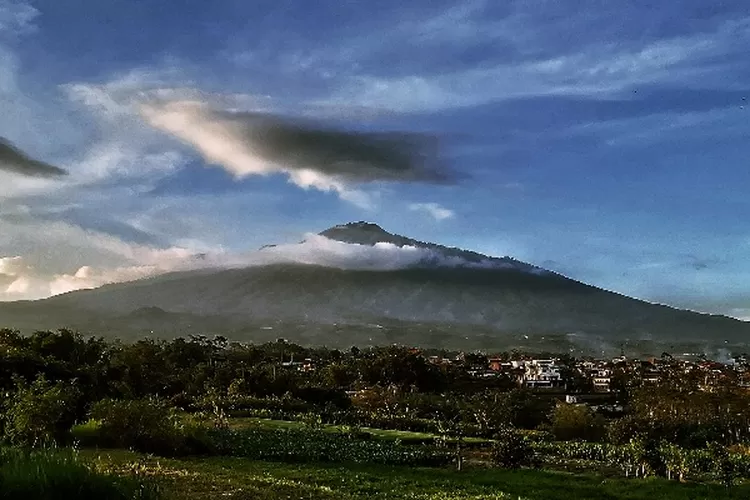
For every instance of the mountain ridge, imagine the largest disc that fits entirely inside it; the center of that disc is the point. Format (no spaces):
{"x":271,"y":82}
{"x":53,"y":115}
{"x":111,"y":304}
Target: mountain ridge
{"x":369,"y":233}
{"x":452,"y":297}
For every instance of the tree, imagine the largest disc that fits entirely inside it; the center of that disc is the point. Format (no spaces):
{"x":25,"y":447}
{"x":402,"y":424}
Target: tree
{"x":339,"y":375}
{"x":40,"y":413}
{"x":400,"y":367}
{"x":512,"y":451}
{"x":572,"y":421}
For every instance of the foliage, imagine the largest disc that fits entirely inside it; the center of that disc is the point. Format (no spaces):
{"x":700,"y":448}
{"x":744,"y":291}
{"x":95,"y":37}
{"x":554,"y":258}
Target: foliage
{"x":571,"y":421}
{"x":641,"y":458}
{"x":56,"y":474}
{"x":145,"y":385}
{"x":293,"y":445}
{"x":725,"y":468}
{"x":510,"y":450}
{"x":148,"y":425}
{"x":676,"y":410}
{"x":40,"y":413}
{"x":240,"y":479}
{"x":87,"y":434}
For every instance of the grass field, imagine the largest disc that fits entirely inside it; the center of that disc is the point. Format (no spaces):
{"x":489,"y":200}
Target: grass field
{"x":60,"y":474}
{"x":239,"y":479}
{"x":245,"y":422}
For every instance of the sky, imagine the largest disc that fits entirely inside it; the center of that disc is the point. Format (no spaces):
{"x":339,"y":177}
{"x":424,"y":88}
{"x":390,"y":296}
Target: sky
{"x":608,"y":142}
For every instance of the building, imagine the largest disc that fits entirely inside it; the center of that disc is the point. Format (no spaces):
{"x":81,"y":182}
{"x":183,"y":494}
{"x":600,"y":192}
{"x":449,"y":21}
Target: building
{"x":602,"y":379}
{"x":542,"y":374}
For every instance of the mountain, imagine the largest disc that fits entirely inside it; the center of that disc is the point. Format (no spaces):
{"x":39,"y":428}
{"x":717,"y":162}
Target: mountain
{"x":366,"y":233}
{"x":435,"y":296}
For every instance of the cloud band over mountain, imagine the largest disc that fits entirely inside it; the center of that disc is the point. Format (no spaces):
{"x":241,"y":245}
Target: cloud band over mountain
{"x":253,"y":143}
{"x":16,"y":161}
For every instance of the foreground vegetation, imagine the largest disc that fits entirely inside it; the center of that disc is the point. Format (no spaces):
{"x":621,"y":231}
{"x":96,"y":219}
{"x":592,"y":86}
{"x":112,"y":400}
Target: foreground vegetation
{"x":123,"y":475}
{"x":53,"y":474}
{"x":210,"y":418}
{"x":233,"y":478}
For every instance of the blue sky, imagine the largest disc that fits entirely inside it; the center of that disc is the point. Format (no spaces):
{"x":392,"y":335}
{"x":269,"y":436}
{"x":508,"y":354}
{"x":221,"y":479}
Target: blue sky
{"x":608,"y":142}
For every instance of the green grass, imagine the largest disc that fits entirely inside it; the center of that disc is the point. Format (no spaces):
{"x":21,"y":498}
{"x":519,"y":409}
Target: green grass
{"x":239,"y":423}
{"x":60,"y":474}
{"x":239,"y":479}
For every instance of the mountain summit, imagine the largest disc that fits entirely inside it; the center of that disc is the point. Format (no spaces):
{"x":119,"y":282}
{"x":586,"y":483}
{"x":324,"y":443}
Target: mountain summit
{"x":363,"y":233}
{"x":370,"y":234}
{"x":429,"y":295}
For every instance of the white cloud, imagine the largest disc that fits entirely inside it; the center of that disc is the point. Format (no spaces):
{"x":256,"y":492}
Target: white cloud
{"x":21,"y":281}
{"x":434,"y":210}
{"x":312,"y":156}
{"x":143,"y":100}
{"x":319,"y":250}
{"x":17,"y":17}
{"x":382,"y":256}
{"x":221,"y":143}
{"x":741,"y":313}
{"x":45,"y":257}
{"x":35,"y":276}
{"x":598,"y":70}
{"x":20,"y":278}
{"x":722,"y":123}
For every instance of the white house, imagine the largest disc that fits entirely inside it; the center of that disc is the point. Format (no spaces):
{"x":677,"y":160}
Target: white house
{"x":542,"y":374}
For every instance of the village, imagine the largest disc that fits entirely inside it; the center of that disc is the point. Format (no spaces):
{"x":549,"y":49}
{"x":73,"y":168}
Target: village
{"x":581,"y":378}
{"x":599,"y":375}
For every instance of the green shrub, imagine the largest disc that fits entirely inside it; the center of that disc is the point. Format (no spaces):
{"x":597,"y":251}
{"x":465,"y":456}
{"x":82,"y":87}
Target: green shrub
{"x":289,"y":445}
{"x":147,"y":425}
{"x":40,"y":413}
{"x":58,"y":474}
{"x":723,"y":465}
{"x":87,"y":434}
{"x":511,"y":451}
{"x":570,"y":421}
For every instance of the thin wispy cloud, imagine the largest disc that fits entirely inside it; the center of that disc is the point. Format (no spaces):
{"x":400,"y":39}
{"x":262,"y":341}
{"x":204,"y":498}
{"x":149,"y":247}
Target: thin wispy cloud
{"x":727,"y":122}
{"x":598,"y":73}
{"x":434,"y":210}
{"x":533,"y":63}
{"x":17,"y":18}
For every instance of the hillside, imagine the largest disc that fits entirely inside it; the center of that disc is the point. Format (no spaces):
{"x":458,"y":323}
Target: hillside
{"x":445,"y":298}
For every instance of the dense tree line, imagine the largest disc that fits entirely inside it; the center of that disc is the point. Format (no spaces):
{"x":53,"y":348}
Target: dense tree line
{"x":63,"y":376}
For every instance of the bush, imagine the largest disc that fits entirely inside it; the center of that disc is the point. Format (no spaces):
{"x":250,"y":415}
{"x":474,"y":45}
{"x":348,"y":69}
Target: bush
{"x":684,"y":434}
{"x":622,"y":430}
{"x":87,"y":434}
{"x":287,"y":404}
{"x":511,"y":451}
{"x":40,"y":414}
{"x":57,"y":474}
{"x":577,"y":422}
{"x":317,"y":446}
{"x":724,"y":467}
{"x":147,"y":425}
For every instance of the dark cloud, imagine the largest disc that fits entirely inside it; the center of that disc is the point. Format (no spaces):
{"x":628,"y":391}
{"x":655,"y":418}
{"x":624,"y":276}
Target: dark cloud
{"x":354,"y":156}
{"x":252,"y":143}
{"x":16,"y":161}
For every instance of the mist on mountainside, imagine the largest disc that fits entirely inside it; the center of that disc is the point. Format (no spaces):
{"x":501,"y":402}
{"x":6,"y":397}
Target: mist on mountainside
{"x":332,"y":287}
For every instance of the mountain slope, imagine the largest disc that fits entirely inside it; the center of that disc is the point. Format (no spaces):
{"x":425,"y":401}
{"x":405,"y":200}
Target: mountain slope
{"x":447,"y":298}
{"x":365,"y":233}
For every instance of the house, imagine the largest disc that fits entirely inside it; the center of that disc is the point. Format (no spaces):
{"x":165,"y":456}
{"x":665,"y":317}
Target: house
{"x":308,"y":365}
{"x":602,"y":379}
{"x":542,"y":374}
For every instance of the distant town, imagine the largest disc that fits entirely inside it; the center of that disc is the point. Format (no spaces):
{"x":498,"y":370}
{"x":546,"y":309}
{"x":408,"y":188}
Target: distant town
{"x":585,"y":375}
